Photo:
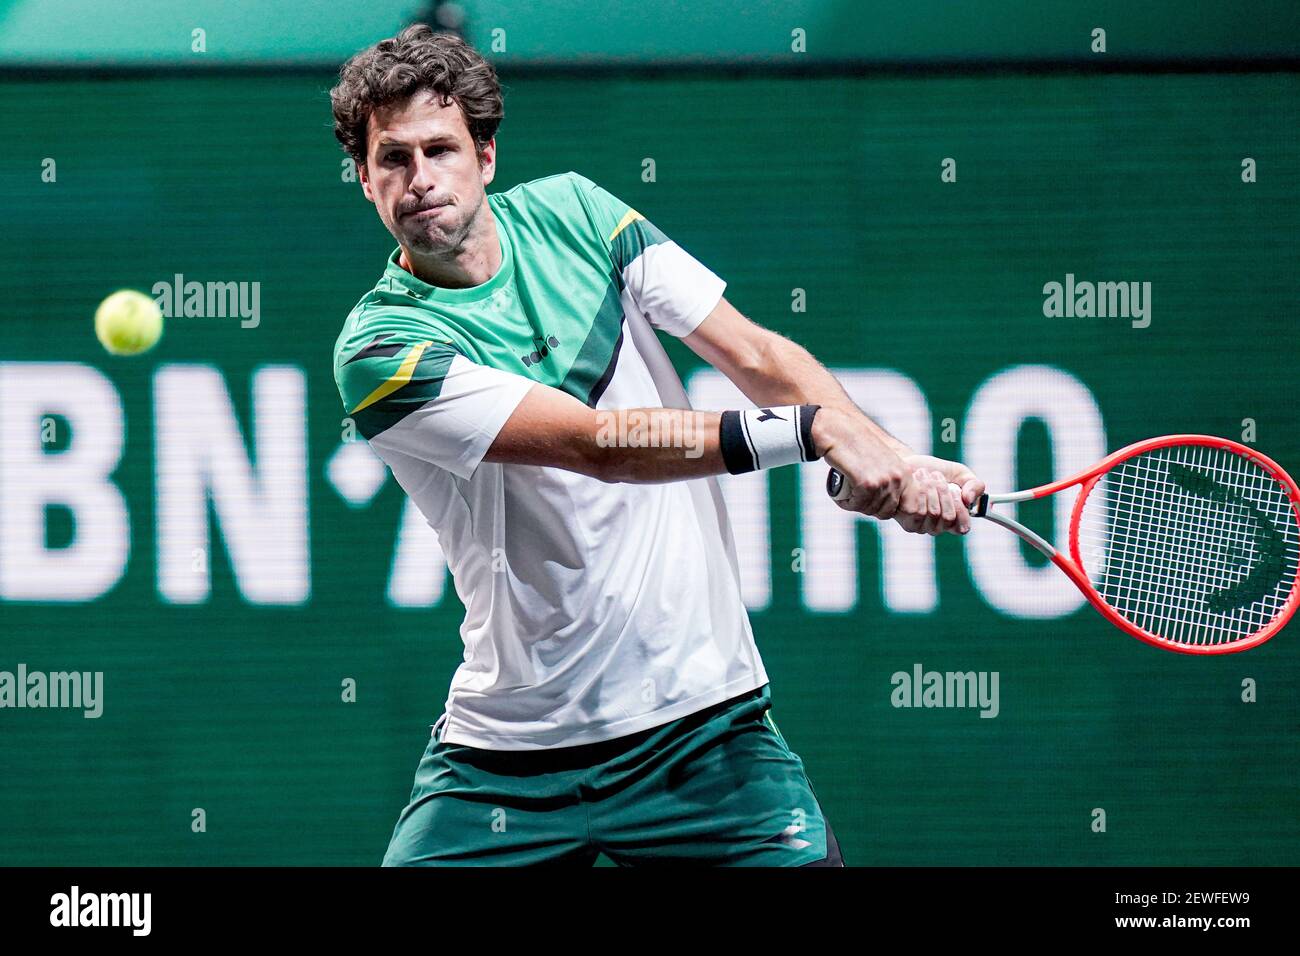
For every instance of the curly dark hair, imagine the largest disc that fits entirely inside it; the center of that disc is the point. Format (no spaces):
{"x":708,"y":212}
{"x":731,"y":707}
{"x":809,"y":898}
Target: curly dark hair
{"x":416,"y":59}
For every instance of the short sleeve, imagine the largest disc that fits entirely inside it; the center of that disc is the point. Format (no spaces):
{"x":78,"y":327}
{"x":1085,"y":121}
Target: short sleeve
{"x":425,"y":400}
{"x":672,"y":288}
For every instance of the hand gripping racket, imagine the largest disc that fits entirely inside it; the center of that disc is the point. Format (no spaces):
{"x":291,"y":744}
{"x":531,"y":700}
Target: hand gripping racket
{"x":1187,"y":542}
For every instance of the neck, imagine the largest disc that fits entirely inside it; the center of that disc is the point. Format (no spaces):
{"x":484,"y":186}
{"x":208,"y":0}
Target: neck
{"x":472,"y":262}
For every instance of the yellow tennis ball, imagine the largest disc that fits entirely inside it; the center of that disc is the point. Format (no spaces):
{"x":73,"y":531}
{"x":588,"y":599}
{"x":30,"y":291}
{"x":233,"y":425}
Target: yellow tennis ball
{"x":128,"y":322}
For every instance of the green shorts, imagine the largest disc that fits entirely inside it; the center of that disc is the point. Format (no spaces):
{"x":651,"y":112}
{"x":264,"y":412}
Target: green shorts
{"x":719,"y":787}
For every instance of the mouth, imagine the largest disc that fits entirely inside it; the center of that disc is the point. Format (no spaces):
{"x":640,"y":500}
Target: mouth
{"x":426,"y":213}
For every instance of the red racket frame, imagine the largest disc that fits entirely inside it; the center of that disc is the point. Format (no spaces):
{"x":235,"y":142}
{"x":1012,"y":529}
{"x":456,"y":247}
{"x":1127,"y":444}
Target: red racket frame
{"x":1073,"y":565}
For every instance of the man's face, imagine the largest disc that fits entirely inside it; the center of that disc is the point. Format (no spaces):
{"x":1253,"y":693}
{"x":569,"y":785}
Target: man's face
{"x":423,"y":174}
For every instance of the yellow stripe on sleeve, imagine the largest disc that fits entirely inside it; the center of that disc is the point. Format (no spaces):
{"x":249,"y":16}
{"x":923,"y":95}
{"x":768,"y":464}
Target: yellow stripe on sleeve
{"x":629,"y":217}
{"x":398,"y":379}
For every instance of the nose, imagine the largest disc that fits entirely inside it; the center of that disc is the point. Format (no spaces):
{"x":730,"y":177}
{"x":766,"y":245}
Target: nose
{"x":422,"y":175}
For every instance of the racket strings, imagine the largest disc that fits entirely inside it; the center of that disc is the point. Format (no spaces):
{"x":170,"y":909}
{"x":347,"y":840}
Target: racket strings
{"x":1228,"y":550}
{"x":1193,"y":544}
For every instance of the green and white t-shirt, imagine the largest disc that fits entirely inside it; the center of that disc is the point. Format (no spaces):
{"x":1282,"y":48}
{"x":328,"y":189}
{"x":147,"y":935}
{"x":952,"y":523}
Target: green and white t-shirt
{"x":592,"y":610}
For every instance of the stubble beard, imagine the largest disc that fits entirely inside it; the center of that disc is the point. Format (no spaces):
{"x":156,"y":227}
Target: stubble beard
{"x":437,"y":238}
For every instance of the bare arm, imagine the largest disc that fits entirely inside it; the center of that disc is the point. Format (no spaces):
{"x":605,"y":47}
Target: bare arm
{"x":772,"y":370}
{"x":552,"y":428}
{"x":890,"y":478}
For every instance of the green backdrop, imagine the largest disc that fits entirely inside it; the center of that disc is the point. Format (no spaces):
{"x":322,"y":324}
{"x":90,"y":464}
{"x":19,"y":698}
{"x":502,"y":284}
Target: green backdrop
{"x":827,"y":185}
{"x":777,"y":32}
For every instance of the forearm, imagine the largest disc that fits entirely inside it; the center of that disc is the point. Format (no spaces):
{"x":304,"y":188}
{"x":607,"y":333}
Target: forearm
{"x":885,"y":477}
{"x":785,"y":373}
{"x":552,"y":429}
{"x":647,"y":445}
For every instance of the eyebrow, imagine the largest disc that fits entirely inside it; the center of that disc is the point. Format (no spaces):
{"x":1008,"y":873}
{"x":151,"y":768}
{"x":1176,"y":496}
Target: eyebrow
{"x":435,"y":139}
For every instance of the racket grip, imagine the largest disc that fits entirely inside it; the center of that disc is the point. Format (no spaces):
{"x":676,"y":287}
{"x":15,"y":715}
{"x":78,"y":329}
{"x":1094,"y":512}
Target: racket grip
{"x":839,"y":489}
{"x":836,"y":486}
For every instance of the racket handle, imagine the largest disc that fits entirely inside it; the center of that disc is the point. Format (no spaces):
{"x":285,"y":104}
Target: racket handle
{"x":836,"y":486}
{"x":839,"y":489}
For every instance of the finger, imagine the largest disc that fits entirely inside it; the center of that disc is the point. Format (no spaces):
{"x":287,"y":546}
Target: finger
{"x":971,"y":490}
{"x":945,"y":499}
{"x":943,"y":520}
{"x":911,"y":506}
{"x":908,"y":516}
{"x":849,"y":502}
{"x":902,"y":503}
{"x":873,"y":500}
{"x":853,"y":501}
{"x":963,"y":516}
{"x":934,"y":509}
{"x":877,"y":500}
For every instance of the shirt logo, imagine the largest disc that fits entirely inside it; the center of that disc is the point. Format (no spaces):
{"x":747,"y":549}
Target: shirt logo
{"x":544,"y":347}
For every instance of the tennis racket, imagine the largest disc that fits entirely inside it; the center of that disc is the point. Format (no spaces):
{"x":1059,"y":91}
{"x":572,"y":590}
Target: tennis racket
{"x":1187,"y":542}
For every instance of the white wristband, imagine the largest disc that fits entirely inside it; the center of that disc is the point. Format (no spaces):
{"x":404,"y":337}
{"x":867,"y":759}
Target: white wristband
{"x":767,"y":437}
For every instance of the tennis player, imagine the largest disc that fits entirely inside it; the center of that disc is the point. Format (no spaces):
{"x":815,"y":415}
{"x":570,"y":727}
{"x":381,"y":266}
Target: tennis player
{"x":506,"y":368}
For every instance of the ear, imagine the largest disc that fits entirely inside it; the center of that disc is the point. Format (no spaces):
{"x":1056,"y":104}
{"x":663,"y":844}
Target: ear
{"x":488,"y":162}
{"x":364,"y":175}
